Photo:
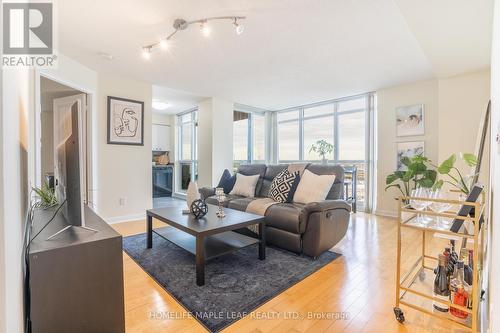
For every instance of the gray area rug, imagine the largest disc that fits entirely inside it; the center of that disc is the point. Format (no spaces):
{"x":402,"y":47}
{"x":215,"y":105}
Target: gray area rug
{"x":235,"y":283}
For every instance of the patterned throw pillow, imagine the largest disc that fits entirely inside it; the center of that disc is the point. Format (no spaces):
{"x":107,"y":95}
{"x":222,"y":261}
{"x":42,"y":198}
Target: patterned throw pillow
{"x":283,"y":186}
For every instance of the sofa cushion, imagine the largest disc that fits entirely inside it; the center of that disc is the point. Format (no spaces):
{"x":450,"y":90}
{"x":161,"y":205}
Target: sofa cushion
{"x":271,"y":172}
{"x":285,"y":216}
{"x":240,"y":204}
{"x":313,"y":188}
{"x":254,"y":169}
{"x":283,"y":186}
{"x":227,"y":181}
{"x":245,"y":185}
{"x":337,"y":190}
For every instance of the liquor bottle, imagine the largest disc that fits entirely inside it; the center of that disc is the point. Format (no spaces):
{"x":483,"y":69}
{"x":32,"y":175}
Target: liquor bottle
{"x":458,"y":294}
{"x":446,"y":252}
{"x":464,"y":256}
{"x":469,"y":286}
{"x":441,"y":286}
{"x":452,"y":259}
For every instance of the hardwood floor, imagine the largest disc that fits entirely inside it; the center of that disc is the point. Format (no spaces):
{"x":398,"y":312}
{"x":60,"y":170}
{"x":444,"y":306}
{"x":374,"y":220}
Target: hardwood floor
{"x":360,"y":284}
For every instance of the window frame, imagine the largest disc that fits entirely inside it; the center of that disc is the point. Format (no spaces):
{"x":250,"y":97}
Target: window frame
{"x":369,"y":133}
{"x":250,"y":137}
{"x":193,"y":161}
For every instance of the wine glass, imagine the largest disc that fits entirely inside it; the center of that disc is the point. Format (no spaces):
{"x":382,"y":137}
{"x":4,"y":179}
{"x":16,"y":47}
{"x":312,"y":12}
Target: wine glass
{"x":418,"y":205}
{"x":440,"y":207}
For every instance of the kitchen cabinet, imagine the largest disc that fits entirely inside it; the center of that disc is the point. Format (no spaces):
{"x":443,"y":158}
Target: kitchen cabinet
{"x":161,"y":137}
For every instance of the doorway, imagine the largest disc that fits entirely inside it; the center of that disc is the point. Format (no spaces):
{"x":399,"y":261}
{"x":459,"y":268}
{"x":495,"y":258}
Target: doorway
{"x":55,"y":97}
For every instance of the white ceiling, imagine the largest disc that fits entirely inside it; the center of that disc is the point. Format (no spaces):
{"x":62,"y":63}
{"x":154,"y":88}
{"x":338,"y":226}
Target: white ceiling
{"x":292,"y":52}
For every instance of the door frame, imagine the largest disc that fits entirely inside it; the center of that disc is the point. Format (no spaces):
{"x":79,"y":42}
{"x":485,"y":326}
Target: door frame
{"x":89,"y":134}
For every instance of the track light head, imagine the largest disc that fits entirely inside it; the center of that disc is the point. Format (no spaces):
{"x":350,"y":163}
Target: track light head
{"x":163,"y":44}
{"x":238,"y":28}
{"x":146,"y":53}
{"x":205,"y":29}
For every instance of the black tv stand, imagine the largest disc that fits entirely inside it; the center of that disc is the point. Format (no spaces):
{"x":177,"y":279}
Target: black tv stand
{"x":75,"y":279}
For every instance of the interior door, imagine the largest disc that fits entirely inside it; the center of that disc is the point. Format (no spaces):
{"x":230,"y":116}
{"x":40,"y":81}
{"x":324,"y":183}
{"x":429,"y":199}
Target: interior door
{"x":62,"y":108}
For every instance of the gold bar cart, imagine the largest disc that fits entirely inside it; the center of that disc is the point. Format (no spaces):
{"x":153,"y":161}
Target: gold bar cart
{"x":415,"y":288}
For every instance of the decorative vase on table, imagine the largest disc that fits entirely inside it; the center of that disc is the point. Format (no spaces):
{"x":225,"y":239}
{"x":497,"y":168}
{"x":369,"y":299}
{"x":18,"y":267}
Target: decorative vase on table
{"x":324,"y":161}
{"x":221,"y":197}
{"x":192,"y":194}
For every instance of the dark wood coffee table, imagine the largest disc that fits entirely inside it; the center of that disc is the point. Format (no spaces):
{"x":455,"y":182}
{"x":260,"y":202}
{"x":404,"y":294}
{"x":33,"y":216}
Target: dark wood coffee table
{"x":208,"y":237}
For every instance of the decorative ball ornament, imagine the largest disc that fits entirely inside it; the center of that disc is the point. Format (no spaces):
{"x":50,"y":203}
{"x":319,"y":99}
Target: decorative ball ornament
{"x":199,"y":208}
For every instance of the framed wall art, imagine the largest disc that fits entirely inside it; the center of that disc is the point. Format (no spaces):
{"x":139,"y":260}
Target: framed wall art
{"x":125,"y":121}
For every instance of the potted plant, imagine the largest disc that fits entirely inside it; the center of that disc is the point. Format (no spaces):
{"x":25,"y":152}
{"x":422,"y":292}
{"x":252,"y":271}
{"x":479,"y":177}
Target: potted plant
{"x":419,"y":172}
{"x":322,"y":148}
{"x":46,"y":196}
{"x":454,"y":177}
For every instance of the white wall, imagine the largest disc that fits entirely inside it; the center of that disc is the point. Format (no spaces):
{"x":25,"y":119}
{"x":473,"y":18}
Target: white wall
{"x":462,"y":102}
{"x":117,"y":171}
{"x":16,"y":103}
{"x":425,"y":92}
{"x":494,"y":281}
{"x":215,"y":140}
{"x":453,"y":109}
{"x":124,"y":172}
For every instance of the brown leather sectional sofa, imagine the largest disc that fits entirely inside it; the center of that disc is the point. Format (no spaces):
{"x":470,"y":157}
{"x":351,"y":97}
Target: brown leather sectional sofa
{"x":302,"y":228}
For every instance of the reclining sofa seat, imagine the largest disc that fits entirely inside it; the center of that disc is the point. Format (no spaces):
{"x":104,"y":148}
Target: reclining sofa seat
{"x":302,"y":228}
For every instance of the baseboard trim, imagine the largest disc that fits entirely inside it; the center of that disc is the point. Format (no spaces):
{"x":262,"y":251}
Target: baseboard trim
{"x":386,"y":213}
{"x":126,"y":218}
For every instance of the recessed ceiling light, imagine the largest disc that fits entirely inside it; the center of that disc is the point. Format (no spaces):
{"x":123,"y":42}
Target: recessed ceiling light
{"x":106,"y":56}
{"x":159,"y":105}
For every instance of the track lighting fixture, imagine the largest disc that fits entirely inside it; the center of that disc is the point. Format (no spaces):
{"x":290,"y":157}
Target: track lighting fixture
{"x":205,"y":29}
{"x":238,"y":27}
{"x":146,"y":52}
{"x":181,"y":24}
{"x":163,"y":44}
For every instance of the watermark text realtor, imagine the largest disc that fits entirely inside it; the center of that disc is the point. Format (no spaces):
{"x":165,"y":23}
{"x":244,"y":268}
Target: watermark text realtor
{"x":28,"y":34}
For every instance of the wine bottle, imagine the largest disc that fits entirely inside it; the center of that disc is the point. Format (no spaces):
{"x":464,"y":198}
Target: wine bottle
{"x":452,"y":258}
{"x":464,"y":256}
{"x":441,"y":286}
{"x":446,"y":252}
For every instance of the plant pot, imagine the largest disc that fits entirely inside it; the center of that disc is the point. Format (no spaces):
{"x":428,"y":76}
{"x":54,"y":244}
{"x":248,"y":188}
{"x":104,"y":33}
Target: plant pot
{"x":324,"y":161}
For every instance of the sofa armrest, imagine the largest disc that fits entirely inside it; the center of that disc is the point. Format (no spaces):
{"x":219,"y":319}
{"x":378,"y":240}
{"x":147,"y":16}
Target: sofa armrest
{"x":327,"y":223}
{"x":325,"y":205}
{"x":206,"y":192}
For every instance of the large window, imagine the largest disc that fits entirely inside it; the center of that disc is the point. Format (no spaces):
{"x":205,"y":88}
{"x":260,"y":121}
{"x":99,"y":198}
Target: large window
{"x":249,"y":137}
{"x":187,"y":166}
{"x":343,"y":123}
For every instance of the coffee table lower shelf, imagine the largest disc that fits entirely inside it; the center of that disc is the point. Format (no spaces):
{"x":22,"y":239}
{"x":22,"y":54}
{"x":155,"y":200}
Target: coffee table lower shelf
{"x":215,"y":245}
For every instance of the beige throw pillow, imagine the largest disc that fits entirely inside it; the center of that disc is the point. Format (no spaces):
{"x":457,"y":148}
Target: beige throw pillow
{"x":313,"y":188}
{"x":245,"y":185}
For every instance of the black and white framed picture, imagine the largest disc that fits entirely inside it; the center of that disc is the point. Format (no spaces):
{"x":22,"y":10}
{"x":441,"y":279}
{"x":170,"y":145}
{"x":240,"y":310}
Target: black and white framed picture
{"x":125,"y":121}
{"x":408,"y":149}
{"x":410,"y":120}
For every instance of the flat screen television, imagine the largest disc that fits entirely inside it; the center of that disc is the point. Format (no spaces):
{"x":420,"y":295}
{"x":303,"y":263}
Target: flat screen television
{"x":69,"y":164}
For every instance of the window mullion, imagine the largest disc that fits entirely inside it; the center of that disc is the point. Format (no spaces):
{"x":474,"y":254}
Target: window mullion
{"x":335,"y":132}
{"x":250,"y":138}
{"x":301,"y":134}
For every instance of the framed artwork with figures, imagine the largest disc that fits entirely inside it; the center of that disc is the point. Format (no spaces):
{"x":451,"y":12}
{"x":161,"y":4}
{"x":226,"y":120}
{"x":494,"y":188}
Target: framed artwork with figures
{"x":125,"y":121}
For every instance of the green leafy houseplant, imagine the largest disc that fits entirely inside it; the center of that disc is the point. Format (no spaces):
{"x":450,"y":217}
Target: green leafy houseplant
{"x":46,"y":196}
{"x":419,"y":172}
{"x":322,"y":148}
{"x":454,"y":176}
